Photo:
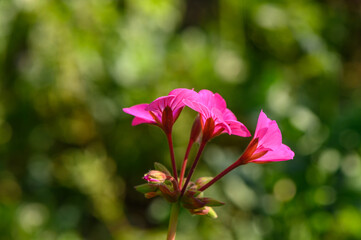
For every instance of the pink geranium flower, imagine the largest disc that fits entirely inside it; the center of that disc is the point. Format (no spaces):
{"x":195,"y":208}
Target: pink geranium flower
{"x":163,"y":111}
{"x":215,"y":118}
{"x":266,"y":145}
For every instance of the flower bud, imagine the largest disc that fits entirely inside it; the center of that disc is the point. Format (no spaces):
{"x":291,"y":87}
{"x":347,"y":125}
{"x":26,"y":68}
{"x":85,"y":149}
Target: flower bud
{"x":200,"y":182}
{"x":199,"y":211}
{"x":211,"y":213}
{"x":155,"y":176}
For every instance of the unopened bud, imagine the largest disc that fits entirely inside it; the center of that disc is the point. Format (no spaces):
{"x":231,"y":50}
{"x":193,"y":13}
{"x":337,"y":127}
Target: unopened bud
{"x":204,"y":211}
{"x":211,"y":213}
{"x":200,"y":182}
{"x":155,"y":176}
{"x":199,"y":211}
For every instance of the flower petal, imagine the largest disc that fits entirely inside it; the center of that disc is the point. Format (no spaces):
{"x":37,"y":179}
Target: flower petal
{"x":198,"y":107}
{"x":238,"y":128}
{"x":268,"y":132}
{"x":160,"y":103}
{"x":282,"y":153}
{"x":212,"y":100}
{"x":141,"y":115}
{"x":179,"y":95}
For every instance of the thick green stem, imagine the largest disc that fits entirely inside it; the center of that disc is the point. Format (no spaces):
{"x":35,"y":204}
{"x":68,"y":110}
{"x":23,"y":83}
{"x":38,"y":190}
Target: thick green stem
{"x":173,"y":220}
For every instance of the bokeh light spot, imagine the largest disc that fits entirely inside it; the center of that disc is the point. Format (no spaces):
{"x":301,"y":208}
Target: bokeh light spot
{"x":284,"y":190}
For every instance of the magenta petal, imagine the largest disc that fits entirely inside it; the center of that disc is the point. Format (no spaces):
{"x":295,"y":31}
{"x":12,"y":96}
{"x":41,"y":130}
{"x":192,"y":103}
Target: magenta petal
{"x":238,"y":128}
{"x":263,"y":122}
{"x":160,"y":103}
{"x":211,"y":100}
{"x":198,"y":107}
{"x":217,"y":115}
{"x":140,"y":113}
{"x":282,"y":153}
{"x":267,"y":132}
{"x":229,"y":115}
{"x":137,"y":121}
{"x":179,"y":95}
{"x":273,"y":136}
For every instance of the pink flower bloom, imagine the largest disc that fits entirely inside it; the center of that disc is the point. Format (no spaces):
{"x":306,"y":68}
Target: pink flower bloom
{"x":266,"y":145}
{"x":163,"y":111}
{"x":216,"y":118}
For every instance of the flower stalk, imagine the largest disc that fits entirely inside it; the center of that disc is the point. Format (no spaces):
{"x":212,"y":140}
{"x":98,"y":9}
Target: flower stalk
{"x":219,"y":176}
{"x":194,"y":165}
{"x":173,"y":220}
{"x":185,"y":161}
{"x":171,"y":151}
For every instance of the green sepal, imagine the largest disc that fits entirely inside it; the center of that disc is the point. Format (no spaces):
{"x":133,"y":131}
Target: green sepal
{"x":212,"y":202}
{"x":145,"y":188}
{"x":169,"y":195}
{"x":160,"y":167}
{"x":191,"y":202}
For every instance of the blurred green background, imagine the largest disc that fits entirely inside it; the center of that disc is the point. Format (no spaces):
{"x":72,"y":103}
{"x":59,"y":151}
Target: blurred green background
{"x":69,"y":157}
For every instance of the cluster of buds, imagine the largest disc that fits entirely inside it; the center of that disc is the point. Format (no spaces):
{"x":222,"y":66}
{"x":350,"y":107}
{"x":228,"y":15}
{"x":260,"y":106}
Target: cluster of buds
{"x":213,"y":119}
{"x":161,"y":183}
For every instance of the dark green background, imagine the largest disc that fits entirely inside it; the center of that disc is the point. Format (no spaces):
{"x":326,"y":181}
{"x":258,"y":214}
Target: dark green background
{"x":69,"y":157}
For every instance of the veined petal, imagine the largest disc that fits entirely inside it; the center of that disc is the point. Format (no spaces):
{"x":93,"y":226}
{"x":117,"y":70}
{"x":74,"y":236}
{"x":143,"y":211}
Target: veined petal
{"x":160,"y":103}
{"x":212,"y":100}
{"x":229,"y":115}
{"x":179,"y":95}
{"x":137,"y":121}
{"x":217,"y":115}
{"x":262,"y":123}
{"x":140,"y":114}
{"x":198,"y":107}
{"x":238,"y":128}
{"x":282,"y":153}
{"x":268,"y":132}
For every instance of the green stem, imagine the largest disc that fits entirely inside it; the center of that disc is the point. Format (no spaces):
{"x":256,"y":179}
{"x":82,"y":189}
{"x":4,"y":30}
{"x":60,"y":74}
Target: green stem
{"x":173,"y":220}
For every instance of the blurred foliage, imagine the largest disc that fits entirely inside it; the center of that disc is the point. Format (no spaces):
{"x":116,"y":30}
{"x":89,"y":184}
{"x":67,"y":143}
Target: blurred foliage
{"x":69,"y":157}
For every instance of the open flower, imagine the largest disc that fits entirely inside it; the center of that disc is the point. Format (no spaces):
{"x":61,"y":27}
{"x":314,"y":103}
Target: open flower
{"x":215,"y":117}
{"x":163,"y":111}
{"x":266,"y":145}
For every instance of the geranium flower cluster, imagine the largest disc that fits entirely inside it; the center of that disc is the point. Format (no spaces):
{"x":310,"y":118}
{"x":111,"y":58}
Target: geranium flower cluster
{"x":213,"y":119}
